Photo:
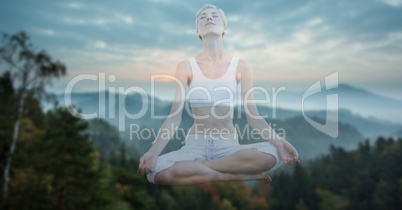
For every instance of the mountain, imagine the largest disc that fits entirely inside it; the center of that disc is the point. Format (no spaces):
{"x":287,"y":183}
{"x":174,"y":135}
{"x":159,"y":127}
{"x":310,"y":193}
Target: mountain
{"x":357,"y":100}
{"x":370,"y":127}
{"x":152,"y":111}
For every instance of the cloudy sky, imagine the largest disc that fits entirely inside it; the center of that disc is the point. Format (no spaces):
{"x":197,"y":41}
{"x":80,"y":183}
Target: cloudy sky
{"x":291,"y":43}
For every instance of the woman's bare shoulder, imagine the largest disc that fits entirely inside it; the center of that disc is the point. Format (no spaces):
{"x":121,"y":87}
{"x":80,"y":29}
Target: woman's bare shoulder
{"x":183,"y":68}
{"x":243,"y":66}
{"x":183,"y":63}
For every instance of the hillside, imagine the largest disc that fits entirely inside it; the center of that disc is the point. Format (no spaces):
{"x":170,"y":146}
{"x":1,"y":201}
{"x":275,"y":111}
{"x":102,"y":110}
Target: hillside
{"x":309,"y":141}
{"x":357,"y":100}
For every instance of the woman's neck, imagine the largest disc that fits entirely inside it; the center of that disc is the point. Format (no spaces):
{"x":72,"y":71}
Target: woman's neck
{"x":213,"y":48}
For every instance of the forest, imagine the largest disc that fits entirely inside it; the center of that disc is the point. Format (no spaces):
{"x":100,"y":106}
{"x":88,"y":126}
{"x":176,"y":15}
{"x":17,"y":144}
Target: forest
{"x":54,"y":160}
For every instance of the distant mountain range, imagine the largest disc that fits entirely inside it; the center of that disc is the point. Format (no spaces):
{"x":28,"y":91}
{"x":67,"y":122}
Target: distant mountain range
{"x":357,"y":100}
{"x":361,"y":115}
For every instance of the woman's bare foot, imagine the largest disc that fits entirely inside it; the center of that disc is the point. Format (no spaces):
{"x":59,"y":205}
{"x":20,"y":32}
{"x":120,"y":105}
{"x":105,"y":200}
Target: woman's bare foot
{"x":242,"y":177}
{"x":287,"y":152}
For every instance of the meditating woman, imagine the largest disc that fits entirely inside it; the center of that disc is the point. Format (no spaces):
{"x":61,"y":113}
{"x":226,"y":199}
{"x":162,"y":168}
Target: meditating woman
{"x":212,"y":151}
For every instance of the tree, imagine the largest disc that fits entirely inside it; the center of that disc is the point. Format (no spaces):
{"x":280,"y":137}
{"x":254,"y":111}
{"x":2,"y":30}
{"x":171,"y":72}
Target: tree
{"x":106,"y":138}
{"x":71,"y":160}
{"x":30,"y":71}
{"x":331,"y":201}
{"x":131,"y":189}
{"x":6,"y":113}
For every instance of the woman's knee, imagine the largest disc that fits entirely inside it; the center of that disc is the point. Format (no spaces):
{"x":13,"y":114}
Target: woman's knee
{"x":163,"y":178}
{"x":267,"y":161}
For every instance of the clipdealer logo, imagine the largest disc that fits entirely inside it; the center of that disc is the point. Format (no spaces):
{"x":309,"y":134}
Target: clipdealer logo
{"x":330,"y":127}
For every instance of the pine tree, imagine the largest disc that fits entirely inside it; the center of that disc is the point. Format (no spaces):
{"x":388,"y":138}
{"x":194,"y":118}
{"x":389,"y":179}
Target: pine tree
{"x":30,"y":71}
{"x":69,"y":157}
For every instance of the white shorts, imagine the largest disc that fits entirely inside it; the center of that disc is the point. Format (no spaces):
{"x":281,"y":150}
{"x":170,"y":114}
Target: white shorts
{"x":208,"y":147}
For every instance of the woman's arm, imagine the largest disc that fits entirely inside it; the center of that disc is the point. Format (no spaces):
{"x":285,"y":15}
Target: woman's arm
{"x":171,"y":123}
{"x":254,"y":119}
{"x":286,"y":151}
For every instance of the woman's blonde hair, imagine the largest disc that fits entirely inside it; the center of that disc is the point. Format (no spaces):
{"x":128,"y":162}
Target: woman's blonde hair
{"x":220,"y":11}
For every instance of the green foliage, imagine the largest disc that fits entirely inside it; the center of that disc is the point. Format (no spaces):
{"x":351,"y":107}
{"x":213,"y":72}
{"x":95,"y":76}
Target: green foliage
{"x":7,"y":115}
{"x":31,"y":70}
{"x":67,"y":163}
{"x":105,"y":138}
{"x":54,"y":167}
{"x":130,"y":189}
{"x":235,"y":193}
{"x":330,"y":201}
{"x":366,"y":178}
{"x":68,"y":168}
{"x":26,"y":74}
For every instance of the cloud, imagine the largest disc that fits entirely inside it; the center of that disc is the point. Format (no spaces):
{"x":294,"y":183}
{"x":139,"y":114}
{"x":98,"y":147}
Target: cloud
{"x":100,"y":44}
{"x":394,"y":3}
{"x":284,"y":40}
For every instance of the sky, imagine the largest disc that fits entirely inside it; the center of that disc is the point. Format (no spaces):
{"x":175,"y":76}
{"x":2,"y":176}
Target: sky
{"x":291,"y":43}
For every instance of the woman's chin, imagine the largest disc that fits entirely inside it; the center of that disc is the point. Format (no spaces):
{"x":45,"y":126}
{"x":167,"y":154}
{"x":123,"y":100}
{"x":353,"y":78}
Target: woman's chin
{"x":214,"y":34}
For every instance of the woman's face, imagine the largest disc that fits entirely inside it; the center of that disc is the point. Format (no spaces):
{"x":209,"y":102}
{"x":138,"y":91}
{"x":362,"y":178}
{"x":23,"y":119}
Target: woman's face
{"x":210,"y":21}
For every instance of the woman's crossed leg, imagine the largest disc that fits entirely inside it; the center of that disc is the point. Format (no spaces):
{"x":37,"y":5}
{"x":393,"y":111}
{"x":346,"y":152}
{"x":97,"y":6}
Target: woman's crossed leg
{"x":245,"y":164}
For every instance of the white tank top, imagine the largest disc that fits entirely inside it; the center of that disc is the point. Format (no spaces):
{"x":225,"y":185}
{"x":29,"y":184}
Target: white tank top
{"x":206,"y":92}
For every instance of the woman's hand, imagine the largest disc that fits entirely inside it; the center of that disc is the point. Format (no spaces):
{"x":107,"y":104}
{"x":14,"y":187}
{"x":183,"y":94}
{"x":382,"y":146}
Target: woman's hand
{"x":287,"y":152}
{"x":147,"y":163}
